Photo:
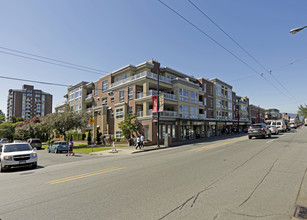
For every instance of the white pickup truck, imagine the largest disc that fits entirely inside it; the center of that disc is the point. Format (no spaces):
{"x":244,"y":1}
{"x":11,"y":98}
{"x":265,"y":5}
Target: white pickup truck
{"x":17,"y":155}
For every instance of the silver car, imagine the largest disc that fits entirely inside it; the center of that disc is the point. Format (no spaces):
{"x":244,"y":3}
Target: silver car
{"x":17,"y":155}
{"x":273,"y":129}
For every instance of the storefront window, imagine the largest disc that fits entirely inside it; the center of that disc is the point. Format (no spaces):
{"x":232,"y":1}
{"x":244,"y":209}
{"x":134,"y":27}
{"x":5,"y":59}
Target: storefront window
{"x":146,"y":132}
{"x":174,"y":131}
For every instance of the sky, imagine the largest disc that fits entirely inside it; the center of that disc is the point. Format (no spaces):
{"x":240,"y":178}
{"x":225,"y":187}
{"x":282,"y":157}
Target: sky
{"x":108,"y":34}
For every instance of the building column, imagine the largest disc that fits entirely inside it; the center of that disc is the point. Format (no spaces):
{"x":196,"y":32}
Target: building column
{"x":145,"y":88}
{"x":145,"y":108}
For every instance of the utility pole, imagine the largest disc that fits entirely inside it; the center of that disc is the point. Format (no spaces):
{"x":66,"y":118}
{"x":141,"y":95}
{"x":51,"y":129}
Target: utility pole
{"x":258,"y":114}
{"x":238,"y":114}
{"x":158,"y":123}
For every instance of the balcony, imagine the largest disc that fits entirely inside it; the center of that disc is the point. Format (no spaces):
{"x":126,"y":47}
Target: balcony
{"x":154,"y":92}
{"x":61,"y":104}
{"x":141,"y":75}
{"x":89,"y":98}
{"x":169,"y":114}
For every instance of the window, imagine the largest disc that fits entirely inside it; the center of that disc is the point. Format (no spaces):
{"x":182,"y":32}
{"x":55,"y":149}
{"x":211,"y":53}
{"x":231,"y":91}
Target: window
{"x":205,"y":101}
{"x":104,"y":85}
{"x":205,"y":87}
{"x":118,"y":134}
{"x":218,"y":103}
{"x":183,"y":95}
{"x":174,"y":131}
{"x":119,"y":113}
{"x":96,"y":90}
{"x":125,"y":76}
{"x":130,"y":93}
{"x":121,"y":95}
{"x":146,"y":132}
{"x":194,"y":97}
{"x":112,"y":97}
{"x":117,"y":79}
{"x":130,"y":110}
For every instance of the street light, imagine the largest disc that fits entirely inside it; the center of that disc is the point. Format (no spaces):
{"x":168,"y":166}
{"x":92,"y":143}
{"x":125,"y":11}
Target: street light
{"x":295,"y":30}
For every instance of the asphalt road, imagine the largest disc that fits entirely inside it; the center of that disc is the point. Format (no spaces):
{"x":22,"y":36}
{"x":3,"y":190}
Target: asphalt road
{"x":227,"y":179}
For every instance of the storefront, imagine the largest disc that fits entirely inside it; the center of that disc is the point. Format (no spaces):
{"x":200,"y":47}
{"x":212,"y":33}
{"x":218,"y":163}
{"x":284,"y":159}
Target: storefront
{"x":221,"y":128}
{"x":229,"y":127}
{"x":211,"y":129}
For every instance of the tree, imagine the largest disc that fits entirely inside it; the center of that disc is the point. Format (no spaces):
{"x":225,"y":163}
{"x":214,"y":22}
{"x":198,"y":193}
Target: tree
{"x":65,"y":121}
{"x":303,"y":110}
{"x":2,"y":117}
{"x":7,"y":130}
{"x":128,"y":127}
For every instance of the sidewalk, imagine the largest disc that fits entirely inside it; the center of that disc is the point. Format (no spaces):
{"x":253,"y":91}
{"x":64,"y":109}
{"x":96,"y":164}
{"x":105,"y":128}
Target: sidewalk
{"x":132,"y":150}
{"x":301,"y":201}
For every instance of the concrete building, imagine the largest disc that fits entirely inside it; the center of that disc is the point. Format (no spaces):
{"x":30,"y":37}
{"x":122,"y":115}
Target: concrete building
{"x":79,"y":98}
{"x":257,"y":114}
{"x":28,"y":103}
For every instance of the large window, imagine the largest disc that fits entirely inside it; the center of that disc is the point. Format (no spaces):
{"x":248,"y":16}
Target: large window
{"x":130,"y":93}
{"x":95,"y":90}
{"x":118,"y":134}
{"x":218,"y":103}
{"x":194,"y":97}
{"x":121,"y":95}
{"x":119,"y":113}
{"x":104,"y":85}
{"x":183,"y":95}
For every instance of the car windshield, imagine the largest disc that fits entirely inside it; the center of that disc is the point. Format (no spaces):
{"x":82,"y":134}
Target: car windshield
{"x":256,"y":126}
{"x":16,"y":147}
{"x":35,"y":141}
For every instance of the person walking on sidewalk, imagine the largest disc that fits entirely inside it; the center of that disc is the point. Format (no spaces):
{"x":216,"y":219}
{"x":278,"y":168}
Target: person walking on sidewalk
{"x":70,"y":149}
{"x":138,"y":142}
{"x":142,"y":141}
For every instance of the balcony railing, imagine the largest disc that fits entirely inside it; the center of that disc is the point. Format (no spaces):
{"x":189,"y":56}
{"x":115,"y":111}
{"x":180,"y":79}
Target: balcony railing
{"x":154,"y":92}
{"x":89,"y":96}
{"x":139,"y":76}
{"x":171,"y":114}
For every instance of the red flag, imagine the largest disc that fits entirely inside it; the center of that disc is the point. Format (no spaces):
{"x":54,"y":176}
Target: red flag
{"x":154,"y":104}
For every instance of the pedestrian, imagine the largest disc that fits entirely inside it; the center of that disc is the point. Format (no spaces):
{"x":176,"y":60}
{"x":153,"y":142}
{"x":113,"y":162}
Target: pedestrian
{"x":70,"y":149}
{"x":138,"y":142}
{"x":142,"y":140}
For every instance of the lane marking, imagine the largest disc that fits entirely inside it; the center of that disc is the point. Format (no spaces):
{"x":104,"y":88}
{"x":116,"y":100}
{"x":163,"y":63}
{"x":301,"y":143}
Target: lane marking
{"x":80,"y":176}
{"x":270,"y":141}
{"x":219,"y":144}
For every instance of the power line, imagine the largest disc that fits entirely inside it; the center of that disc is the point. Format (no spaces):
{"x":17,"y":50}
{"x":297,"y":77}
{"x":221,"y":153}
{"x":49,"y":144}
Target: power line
{"x":52,"y":59}
{"x":57,"y":64}
{"x":216,"y":42}
{"x":249,"y":54}
{"x":34,"y":81}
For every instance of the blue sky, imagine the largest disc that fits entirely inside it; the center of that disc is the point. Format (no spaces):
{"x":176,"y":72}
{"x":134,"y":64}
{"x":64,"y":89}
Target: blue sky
{"x":109,"y":34}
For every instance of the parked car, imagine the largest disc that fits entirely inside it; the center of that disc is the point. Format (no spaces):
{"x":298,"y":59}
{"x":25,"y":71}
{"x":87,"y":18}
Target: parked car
{"x":259,"y":130}
{"x":273,"y":129}
{"x":293,"y":125}
{"x":4,"y":140}
{"x":17,"y":155}
{"x":280,"y":124}
{"x":34,"y":142}
{"x":58,"y":146}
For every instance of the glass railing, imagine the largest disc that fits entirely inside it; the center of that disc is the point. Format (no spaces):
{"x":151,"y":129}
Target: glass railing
{"x":89,"y":96}
{"x":139,"y":76}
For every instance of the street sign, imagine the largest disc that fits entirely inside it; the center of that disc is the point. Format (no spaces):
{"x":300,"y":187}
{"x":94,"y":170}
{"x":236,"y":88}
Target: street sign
{"x":91,"y":121}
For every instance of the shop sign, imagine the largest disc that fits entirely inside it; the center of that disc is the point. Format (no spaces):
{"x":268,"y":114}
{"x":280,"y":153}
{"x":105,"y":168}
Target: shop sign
{"x":155,"y":104}
{"x":167,"y":123}
{"x":242,"y":123}
{"x":221,"y":123}
{"x":229,"y":123}
{"x":212,"y":123}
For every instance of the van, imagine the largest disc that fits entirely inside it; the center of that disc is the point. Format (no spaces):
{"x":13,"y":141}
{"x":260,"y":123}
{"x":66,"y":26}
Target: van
{"x":280,"y":125}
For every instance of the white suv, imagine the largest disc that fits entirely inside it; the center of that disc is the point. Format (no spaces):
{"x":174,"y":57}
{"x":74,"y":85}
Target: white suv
{"x":17,"y":155}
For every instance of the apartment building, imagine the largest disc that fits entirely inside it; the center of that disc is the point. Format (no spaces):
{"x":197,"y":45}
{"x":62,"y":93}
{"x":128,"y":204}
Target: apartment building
{"x":28,"y":103}
{"x":257,"y":114}
{"x":79,"y":98}
{"x":193,"y":108}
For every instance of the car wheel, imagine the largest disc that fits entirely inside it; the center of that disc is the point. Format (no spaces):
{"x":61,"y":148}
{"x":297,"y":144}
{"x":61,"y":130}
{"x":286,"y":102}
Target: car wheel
{"x":2,"y":169}
{"x":249,"y":137}
{"x":49,"y":150}
{"x":55,"y":150}
{"x":264,"y":136}
{"x":269,"y":135}
{"x":34,"y":165}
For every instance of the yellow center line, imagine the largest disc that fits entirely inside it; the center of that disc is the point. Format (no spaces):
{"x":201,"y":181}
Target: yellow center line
{"x":80,"y":176}
{"x":219,"y":144}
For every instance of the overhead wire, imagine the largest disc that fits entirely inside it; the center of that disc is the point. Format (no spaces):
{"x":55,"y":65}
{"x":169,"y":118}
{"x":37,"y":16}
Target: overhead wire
{"x":57,"y":64}
{"x":216,"y":42}
{"x":34,"y":81}
{"x":241,"y":47}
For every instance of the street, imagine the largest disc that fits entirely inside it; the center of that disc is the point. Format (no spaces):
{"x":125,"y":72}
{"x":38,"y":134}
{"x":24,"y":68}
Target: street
{"x":234,"y":178}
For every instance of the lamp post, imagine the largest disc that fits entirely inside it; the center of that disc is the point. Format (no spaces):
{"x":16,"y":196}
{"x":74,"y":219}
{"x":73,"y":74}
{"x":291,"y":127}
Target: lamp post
{"x":295,"y":30}
{"x":158,"y":122}
{"x":238,"y":131}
